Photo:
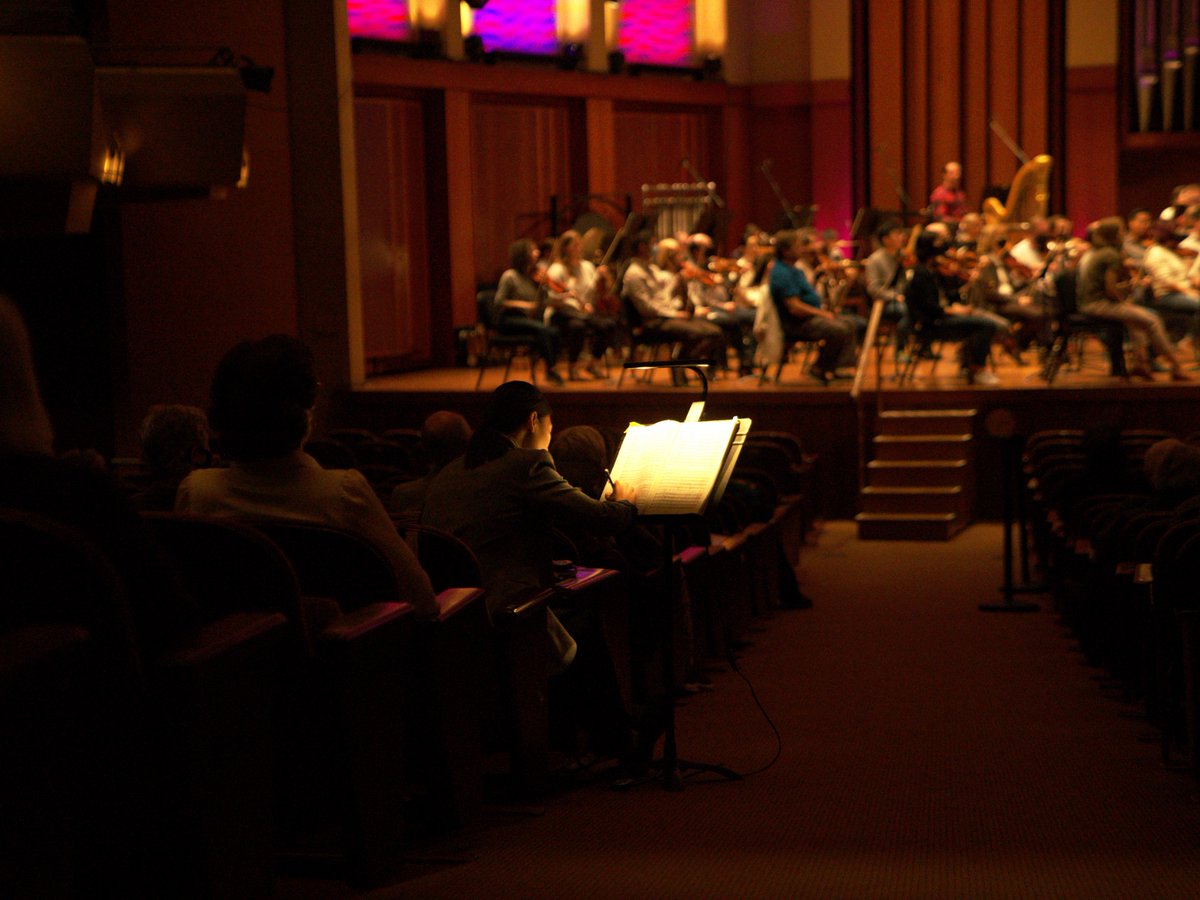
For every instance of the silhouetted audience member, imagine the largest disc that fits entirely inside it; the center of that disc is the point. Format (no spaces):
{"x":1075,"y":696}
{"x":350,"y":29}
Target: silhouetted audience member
{"x":262,"y":396}
{"x":1173,"y":468}
{"x":174,"y":441}
{"x":444,"y":435}
{"x":81,"y":495}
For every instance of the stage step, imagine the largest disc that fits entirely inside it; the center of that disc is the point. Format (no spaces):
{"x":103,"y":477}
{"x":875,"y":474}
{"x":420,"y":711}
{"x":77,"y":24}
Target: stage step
{"x":949,"y":499}
{"x":916,"y":472}
{"x":925,"y":421}
{"x":908,"y":526}
{"x":922,"y":446}
{"x":920,"y":486}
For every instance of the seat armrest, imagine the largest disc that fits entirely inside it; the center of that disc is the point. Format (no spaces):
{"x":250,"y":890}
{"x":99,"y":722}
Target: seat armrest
{"x":219,"y":637}
{"x":453,"y":601}
{"x":689,"y":555}
{"x":365,"y":620}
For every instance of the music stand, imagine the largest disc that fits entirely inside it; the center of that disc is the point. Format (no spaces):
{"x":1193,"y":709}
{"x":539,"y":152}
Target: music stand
{"x":670,"y":765}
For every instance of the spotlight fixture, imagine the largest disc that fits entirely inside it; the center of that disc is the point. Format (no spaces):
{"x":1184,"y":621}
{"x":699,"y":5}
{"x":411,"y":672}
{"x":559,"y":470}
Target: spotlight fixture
{"x":709,"y":69}
{"x":475,"y":50}
{"x":570,"y":56}
{"x":476,"y":4}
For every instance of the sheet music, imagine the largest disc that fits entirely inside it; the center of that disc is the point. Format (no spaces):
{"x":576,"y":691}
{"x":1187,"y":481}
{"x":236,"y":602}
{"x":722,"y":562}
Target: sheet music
{"x":674,"y":465}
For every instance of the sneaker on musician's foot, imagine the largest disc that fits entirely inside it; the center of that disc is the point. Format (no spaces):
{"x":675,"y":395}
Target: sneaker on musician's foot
{"x":554,"y":378}
{"x":822,"y":375}
{"x":985,"y":377}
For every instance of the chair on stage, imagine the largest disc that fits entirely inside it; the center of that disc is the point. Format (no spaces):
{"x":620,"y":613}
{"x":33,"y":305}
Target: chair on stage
{"x":652,"y":342}
{"x":495,"y":343}
{"x":1073,"y":326}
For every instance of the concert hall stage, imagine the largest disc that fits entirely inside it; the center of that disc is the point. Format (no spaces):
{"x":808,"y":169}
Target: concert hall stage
{"x":827,"y":418}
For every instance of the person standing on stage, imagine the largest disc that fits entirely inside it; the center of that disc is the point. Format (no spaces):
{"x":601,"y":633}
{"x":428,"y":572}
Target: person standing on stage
{"x":948,"y":202}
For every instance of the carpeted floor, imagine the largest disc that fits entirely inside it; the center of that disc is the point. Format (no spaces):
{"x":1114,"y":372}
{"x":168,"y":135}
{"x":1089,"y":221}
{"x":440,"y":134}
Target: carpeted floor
{"x":929,"y":750}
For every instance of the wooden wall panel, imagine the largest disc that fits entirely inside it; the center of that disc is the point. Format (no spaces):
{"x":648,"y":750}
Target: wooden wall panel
{"x":832,"y":170}
{"x":937,"y":73}
{"x":885,"y":46}
{"x":520,"y":157}
{"x":973,"y":100}
{"x":945,"y":107}
{"x":1034,"y":76}
{"x":1004,"y":88}
{"x":393,"y":250}
{"x":917,"y":101}
{"x":652,"y":144}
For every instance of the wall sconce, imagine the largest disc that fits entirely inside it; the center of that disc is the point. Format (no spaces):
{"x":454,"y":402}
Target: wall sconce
{"x":427,"y":14}
{"x":573,"y":21}
{"x":466,"y":18}
{"x":711,"y":28}
{"x":112,"y":168}
{"x":244,"y":172}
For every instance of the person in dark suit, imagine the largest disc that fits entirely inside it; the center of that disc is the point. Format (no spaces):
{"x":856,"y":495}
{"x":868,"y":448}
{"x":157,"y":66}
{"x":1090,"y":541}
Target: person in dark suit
{"x":502,"y":499}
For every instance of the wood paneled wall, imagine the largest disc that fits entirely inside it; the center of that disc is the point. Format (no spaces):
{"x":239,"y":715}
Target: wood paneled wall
{"x":934,"y":73}
{"x":521,"y":155}
{"x":393,"y":248}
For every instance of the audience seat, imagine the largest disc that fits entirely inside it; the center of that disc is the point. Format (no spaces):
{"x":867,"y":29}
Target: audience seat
{"x":134,"y":774}
{"x":338,"y":752}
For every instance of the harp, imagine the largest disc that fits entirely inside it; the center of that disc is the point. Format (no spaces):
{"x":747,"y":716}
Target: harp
{"x":1028,"y":197}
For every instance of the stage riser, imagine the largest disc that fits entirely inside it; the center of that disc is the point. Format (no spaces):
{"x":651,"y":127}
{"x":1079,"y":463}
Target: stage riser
{"x":828,"y":420}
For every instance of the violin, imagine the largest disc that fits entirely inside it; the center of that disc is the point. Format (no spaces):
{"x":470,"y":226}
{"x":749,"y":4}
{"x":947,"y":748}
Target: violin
{"x":692,"y":272}
{"x":550,"y":284}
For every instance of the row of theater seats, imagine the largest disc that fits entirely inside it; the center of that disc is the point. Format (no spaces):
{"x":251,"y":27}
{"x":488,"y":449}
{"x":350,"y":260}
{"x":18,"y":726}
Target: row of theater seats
{"x":1123,"y":560}
{"x":313,"y":716}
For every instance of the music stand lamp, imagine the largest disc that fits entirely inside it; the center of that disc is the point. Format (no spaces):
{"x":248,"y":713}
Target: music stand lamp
{"x":671,"y":766}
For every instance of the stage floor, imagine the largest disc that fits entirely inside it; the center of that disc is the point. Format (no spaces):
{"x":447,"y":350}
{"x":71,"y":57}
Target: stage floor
{"x":831,"y":422}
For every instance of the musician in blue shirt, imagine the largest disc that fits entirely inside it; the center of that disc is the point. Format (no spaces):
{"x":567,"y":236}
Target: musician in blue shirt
{"x":800,"y":312}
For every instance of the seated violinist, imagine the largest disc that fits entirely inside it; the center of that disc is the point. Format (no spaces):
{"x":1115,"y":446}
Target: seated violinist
{"x":711,"y":299}
{"x":994,"y":289}
{"x":572,"y":295}
{"x":520,"y":304}
{"x":657,"y":294}
{"x":936,"y":317}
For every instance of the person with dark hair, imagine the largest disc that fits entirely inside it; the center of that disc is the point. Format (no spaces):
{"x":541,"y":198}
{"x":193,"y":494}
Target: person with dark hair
{"x":800,"y":312}
{"x":81,"y":495}
{"x":1103,"y":292}
{"x":933,"y":316}
{"x":521,"y":304}
{"x":887,"y":278}
{"x":503,"y":499}
{"x":262,"y":396}
{"x":174,"y":441}
{"x":444,"y":435}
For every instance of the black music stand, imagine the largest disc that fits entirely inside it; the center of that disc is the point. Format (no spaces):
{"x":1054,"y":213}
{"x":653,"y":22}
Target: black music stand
{"x":671,"y":767}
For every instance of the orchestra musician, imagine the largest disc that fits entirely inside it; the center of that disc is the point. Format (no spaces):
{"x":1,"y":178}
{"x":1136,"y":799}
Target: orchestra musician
{"x":799,"y":309}
{"x":571,"y":283}
{"x":1172,"y":295}
{"x":935,"y":316}
{"x":1137,"y":235}
{"x":992,"y":288}
{"x":657,"y":295}
{"x":948,"y":201}
{"x":1103,"y":291}
{"x":710,"y":297}
{"x":887,"y":278}
{"x":520,"y":303}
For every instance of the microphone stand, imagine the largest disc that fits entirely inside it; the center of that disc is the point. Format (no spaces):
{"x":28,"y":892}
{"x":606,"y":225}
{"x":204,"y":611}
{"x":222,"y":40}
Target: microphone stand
{"x":788,"y":209}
